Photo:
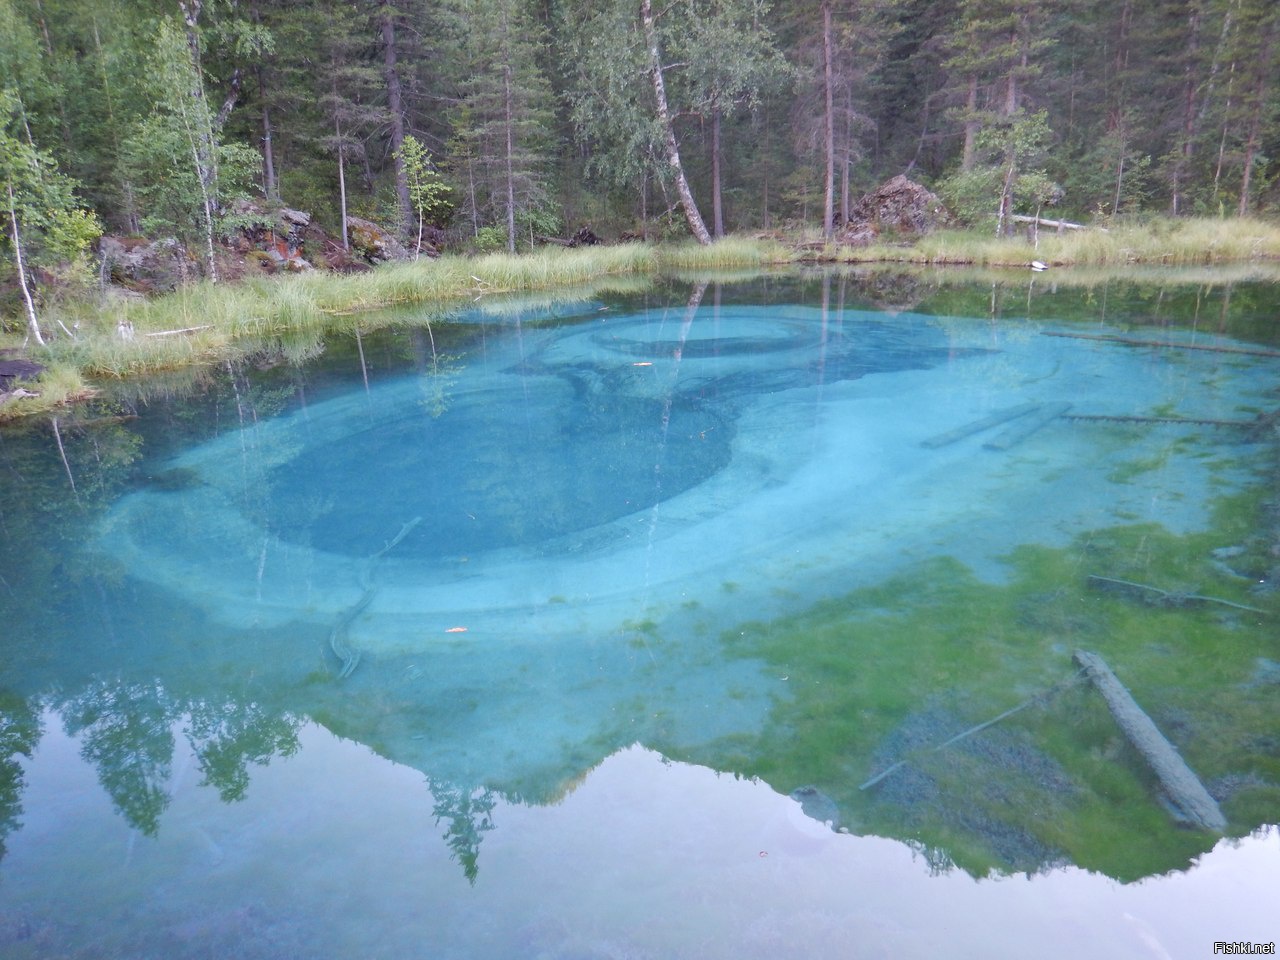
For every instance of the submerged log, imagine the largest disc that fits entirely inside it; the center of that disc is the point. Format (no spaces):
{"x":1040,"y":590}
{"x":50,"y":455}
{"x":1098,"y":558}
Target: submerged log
{"x":1178,"y":421}
{"x":1140,"y":342}
{"x":1180,"y":784}
{"x":1026,"y":426}
{"x":976,"y":426}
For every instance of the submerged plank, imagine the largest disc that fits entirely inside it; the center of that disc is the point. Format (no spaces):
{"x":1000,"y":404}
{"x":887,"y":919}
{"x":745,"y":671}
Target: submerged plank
{"x":1026,"y":426}
{"x":991,"y":420}
{"x":1179,"y":782}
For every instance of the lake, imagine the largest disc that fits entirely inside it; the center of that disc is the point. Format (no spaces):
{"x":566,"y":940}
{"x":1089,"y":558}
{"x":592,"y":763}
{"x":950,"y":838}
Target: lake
{"x":701,"y":617}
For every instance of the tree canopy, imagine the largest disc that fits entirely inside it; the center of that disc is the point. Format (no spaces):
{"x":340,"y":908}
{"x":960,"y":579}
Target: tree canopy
{"x":539,"y":116}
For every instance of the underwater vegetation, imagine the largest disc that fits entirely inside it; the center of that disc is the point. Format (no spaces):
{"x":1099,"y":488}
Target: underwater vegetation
{"x":870,"y":686}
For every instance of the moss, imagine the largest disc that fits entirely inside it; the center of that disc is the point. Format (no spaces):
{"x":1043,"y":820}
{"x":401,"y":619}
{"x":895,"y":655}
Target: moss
{"x":892,"y":671}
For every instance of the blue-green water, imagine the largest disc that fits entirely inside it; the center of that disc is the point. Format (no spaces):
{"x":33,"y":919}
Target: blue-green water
{"x":577,"y":631}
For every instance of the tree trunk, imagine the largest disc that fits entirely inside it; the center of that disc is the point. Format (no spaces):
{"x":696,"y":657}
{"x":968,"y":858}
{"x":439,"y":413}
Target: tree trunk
{"x":717,"y":197}
{"x":395,"y":106}
{"x":203,"y":154}
{"x":1254,"y":139}
{"x":846,"y":159}
{"x":691,"y":214}
{"x":342,"y":164}
{"x":1180,"y":784}
{"x":1006,"y":196}
{"x":33,"y":324}
{"x":1189,"y":111}
{"x":268,"y":154}
{"x":970,"y":126}
{"x":765,"y":220}
{"x":509,"y":125}
{"x":829,"y":128}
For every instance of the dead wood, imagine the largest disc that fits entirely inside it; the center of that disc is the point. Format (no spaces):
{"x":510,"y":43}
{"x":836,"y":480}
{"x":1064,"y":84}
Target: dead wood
{"x":1138,"y":342}
{"x":991,"y":420}
{"x":1056,"y":224}
{"x":1163,"y":598}
{"x":1027,"y":425}
{"x":1180,"y":784}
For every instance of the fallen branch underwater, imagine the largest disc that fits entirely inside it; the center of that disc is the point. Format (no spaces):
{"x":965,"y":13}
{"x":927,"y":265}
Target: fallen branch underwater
{"x":350,"y":658}
{"x":1139,"y":342}
{"x":1183,"y":421}
{"x":1168,"y":598}
{"x":1041,"y":697}
{"x":1026,"y":419}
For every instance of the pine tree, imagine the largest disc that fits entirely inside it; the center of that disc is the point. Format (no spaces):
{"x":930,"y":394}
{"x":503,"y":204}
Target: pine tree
{"x":503,"y":115}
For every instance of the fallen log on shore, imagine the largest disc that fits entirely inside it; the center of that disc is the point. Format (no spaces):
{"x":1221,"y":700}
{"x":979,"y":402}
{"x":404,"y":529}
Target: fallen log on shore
{"x":1056,"y":224}
{"x":1180,"y":784}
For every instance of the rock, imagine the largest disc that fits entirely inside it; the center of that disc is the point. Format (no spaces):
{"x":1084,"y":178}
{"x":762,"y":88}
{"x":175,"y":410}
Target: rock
{"x":282,"y":233}
{"x":12,"y":371}
{"x":899,"y":206}
{"x":373,"y":243}
{"x":156,"y":266}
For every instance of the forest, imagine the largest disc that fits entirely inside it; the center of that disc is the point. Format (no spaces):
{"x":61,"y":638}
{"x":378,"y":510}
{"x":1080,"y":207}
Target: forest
{"x":488,"y":124}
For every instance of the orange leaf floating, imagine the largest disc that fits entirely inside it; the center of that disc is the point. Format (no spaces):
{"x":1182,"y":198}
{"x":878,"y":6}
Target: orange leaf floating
{"x":456,"y":630}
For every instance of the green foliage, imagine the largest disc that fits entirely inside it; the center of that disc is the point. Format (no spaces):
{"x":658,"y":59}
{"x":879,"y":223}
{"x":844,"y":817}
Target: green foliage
{"x":428,"y":192}
{"x":548,"y":108}
{"x":1009,"y":177}
{"x":158,"y":160}
{"x":489,"y":239}
{"x":37,"y":202}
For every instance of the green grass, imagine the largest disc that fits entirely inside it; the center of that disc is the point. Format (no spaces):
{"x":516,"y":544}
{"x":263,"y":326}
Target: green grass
{"x":1181,"y":242}
{"x":232,"y":320}
{"x":204,"y":322}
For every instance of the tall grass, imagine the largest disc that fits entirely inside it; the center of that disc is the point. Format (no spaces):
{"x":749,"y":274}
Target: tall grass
{"x":1162,"y":241}
{"x":124,"y":337}
{"x":204,"y":322}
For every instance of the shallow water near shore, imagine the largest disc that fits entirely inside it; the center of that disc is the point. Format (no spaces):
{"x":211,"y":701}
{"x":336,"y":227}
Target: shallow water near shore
{"x":657,"y":625}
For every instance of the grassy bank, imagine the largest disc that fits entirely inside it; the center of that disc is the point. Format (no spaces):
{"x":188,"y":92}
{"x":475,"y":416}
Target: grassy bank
{"x":1182,"y":242}
{"x":204,"y":323}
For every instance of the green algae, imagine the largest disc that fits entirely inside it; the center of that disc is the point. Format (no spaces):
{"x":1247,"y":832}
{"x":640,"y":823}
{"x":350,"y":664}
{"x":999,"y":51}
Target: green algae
{"x":890,"y":672}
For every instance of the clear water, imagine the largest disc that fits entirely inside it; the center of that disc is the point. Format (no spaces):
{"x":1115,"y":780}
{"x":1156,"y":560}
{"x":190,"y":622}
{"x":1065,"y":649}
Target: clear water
{"x":580,"y":630}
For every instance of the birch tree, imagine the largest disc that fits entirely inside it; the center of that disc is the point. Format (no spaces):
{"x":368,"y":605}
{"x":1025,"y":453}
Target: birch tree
{"x":43,"y":222}
{"x":620,"y":100}
{"x":183,"y":172}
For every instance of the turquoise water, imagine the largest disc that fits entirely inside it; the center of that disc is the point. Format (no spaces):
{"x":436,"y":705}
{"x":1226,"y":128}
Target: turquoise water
{"x":484,"y":635}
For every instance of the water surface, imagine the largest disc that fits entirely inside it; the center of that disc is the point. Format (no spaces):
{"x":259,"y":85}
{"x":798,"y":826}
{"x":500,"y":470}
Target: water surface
{"x":583,"y":630}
